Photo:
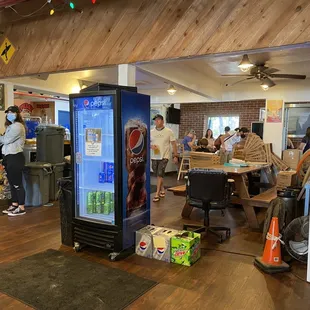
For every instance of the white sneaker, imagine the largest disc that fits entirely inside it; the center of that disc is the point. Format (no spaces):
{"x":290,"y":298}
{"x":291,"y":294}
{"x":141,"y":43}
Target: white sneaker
{"x":17,"y":211}
{"x":9,"y":210}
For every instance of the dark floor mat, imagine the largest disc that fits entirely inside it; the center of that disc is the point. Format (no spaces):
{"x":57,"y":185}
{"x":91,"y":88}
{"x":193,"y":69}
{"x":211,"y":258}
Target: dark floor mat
{"x":54,"y":280}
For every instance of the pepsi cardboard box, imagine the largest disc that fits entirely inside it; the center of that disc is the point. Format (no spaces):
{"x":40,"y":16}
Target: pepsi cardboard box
{"x":185,"y":248}
{"x":162,"y":244}
{"x":144,"y":240}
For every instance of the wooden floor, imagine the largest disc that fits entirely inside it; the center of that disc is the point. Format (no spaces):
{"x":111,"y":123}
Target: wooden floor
{"x":219,"y":280}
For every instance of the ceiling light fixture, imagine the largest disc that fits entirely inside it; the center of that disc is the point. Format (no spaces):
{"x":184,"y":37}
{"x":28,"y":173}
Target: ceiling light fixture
{"x":245,"y":64}
{"x":267,"y":83}
{"x":171,"y":90}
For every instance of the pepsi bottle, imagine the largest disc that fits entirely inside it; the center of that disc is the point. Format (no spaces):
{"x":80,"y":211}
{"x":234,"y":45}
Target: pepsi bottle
{"x":136,"y":160}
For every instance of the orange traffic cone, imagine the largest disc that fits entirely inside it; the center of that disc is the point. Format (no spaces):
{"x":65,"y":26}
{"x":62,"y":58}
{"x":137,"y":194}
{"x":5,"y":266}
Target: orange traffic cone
{"x":271,"y":262}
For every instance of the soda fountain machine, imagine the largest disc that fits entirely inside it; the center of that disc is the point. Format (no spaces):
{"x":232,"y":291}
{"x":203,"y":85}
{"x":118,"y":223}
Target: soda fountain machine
{"x":111,"y":159}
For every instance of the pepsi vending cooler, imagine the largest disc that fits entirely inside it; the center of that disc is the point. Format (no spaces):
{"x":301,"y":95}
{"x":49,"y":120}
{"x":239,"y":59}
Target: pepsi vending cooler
{"x":110,"y":158}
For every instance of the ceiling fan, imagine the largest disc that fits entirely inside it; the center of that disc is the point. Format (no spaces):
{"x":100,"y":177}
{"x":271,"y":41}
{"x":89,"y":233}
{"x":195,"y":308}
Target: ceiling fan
{"x":262,"y":73}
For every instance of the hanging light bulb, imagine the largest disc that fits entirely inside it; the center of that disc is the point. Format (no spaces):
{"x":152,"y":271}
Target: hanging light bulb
{"x":267,"y":83}
{"x":72,"y":5}
{"x":171,"y":90}
{"x":93,"y":1}
{"x":245,"y":64}
{"x":52,"y":9}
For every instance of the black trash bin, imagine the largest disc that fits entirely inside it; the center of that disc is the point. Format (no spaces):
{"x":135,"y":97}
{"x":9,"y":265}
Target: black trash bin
{"x":66,"y":216}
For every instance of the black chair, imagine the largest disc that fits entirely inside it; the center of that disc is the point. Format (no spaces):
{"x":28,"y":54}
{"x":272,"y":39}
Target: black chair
{"x":208,"y":190}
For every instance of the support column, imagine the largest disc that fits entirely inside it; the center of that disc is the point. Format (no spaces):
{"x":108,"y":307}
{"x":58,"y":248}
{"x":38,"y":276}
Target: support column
{"x":126,"y":75}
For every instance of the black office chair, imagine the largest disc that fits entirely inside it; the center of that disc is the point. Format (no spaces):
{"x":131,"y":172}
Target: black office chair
{"x":208,"y":190}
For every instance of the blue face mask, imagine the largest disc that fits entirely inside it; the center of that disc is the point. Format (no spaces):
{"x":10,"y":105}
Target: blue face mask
{"x":11,"y":117}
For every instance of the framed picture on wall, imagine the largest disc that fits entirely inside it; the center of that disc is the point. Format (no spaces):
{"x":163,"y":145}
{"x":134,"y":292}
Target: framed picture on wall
{"x":274,"y":111}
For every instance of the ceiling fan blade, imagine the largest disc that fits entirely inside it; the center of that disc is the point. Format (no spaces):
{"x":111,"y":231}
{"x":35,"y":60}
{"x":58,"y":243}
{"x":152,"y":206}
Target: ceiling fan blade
{"x":236,"y":75}
{"x":270,"y":70}
{"x":249,"y":78}
{"x":288,"y":76}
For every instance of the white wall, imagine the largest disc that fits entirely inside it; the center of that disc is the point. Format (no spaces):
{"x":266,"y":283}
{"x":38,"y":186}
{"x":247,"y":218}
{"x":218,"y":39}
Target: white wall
{"x":60,"y":106}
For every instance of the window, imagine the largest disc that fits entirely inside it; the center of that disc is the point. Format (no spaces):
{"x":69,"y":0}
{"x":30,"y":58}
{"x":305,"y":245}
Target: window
{"x":218,"y":123}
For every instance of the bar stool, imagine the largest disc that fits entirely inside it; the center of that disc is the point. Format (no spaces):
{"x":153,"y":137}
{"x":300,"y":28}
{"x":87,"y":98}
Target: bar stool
{"x":185,"y":163}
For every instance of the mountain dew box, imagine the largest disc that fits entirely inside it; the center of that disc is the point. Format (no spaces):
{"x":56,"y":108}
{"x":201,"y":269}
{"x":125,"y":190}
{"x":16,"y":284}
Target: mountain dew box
{"x":185,"y":248}
{"x":162,"y":242}
{"x":144,"y":240}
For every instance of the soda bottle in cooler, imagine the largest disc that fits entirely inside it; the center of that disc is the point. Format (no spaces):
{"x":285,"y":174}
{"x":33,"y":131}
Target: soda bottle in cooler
{"x":110,"y":172}
{"x":136,"y":160}
{"x":90,"y":203}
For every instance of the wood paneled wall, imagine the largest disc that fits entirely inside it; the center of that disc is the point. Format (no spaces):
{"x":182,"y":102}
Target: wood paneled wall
{"x":119,"y":31}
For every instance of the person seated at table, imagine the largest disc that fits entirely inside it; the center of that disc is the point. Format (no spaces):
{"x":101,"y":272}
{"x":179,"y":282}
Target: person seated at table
{"x":209,"y":136}
{"x":189,"y":140}
{"x":203,"y":146}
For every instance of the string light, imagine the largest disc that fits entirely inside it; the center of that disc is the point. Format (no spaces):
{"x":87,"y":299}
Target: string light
{"x":72,"y":5}
{"x":52,"y":11}
{"x":93,"y":1}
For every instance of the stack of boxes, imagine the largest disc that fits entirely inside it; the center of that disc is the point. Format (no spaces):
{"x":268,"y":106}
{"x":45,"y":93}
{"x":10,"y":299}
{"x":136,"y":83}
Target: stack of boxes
{"x":169,"y":245}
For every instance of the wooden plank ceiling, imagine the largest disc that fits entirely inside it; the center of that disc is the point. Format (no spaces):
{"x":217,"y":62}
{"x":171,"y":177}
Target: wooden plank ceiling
{"x":5,"y":3}
{"x":119,"y":31}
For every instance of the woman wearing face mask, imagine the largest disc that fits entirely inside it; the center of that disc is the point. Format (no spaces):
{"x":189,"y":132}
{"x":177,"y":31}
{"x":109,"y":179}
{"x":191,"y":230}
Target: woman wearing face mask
{"x":14,"y":161}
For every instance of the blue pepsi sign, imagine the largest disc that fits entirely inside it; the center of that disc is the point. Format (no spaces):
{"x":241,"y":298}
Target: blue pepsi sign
{"x":93,"y":103}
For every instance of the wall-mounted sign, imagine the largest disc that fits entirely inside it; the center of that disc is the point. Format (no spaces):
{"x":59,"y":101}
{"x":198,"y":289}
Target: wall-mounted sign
{"x":42,"y":106}
{"x":26,"y":109}
{"x":2,"y":104}
{"x":7,"y":50}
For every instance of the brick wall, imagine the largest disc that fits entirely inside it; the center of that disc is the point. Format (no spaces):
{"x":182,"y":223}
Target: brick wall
{"x":193,"y":114}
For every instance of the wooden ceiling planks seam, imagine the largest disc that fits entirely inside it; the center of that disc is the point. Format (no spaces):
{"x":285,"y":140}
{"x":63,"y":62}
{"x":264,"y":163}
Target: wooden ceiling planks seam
{"x":114,"y":32}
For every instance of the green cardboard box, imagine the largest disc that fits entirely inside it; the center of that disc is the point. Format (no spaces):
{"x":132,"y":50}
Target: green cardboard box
{"x":185,"y":248}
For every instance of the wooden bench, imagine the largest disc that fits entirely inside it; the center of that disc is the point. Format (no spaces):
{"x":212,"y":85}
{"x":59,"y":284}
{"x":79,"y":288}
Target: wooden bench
{"x":262,"y":200}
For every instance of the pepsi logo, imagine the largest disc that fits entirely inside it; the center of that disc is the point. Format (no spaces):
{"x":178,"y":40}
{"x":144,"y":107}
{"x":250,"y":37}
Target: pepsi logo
{"x":143,"y":246}
{"x":86,"y":103}
{"x":136,"y":142}
{"x":161,"y":250}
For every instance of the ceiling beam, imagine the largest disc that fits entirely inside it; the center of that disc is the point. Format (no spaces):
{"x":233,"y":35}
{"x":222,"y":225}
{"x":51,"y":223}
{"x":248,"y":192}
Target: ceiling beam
{"x":181,"y":75}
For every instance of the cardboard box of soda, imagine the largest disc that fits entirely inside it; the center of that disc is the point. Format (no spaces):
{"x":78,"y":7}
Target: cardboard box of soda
{"x":185,"y":248}
{"x":286,"y":178}
{"x":144,"y":240}
{"x":292,"y":157}
{"x":162,"y":244}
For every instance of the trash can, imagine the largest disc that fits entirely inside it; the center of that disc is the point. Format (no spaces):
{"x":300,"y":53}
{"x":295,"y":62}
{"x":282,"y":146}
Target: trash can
{"x":30,"y":152}
{"x":57,"y":173}
{"x":36,"y":182}
{"x":50,"y":143}
{"x":293,"y":208}
{"x":65,"y":202}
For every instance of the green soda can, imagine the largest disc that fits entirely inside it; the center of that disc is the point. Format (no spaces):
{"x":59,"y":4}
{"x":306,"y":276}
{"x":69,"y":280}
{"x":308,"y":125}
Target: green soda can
{"x":98,"y":202}
{"x":112,"y":203}
{"x":90,"y":202}
{"x":102,"y":202}
{"x":107,"y":203}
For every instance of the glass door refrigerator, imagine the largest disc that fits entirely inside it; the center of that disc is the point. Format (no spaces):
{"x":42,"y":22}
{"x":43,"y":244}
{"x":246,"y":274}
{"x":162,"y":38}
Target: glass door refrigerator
{"x":110,"y":158}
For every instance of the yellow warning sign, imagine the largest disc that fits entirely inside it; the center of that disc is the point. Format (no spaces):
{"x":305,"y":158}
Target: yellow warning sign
{"x":7,"y":50}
